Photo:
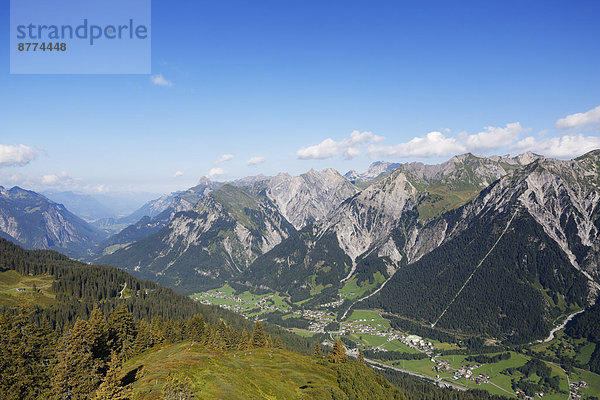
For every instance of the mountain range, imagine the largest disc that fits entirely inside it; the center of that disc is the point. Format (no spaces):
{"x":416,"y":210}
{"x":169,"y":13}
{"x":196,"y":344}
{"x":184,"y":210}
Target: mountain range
{"x":430,"y":243}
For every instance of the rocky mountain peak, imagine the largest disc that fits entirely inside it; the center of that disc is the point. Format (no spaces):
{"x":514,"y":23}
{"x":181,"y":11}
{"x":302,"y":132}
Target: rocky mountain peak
{"x":309,"y":197}
{"x":368,"y":218}
{"x":375,"y":169}
{"x":527,"y":158}
{"x":204,"y":181}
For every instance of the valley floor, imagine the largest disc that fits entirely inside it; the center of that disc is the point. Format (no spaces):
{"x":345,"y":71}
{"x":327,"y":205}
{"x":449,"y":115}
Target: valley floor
{"x":371,"y":331}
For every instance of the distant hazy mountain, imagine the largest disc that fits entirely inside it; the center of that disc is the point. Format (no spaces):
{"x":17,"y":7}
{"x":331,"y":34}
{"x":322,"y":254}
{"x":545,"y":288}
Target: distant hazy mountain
{"x":103,"y":211}
{"x":151,"y":209}
{"x":35,"y":222}
{"x":82,"y":205}
{"x":153,"y":216}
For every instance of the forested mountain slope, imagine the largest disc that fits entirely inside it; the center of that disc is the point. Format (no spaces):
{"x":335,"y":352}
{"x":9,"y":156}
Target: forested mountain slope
{"x":516,"y":243}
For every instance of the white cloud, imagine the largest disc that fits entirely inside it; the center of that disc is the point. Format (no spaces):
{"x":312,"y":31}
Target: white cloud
{"x":580,"y":119}
{"x":494,"y":137}
{"x":62,"y":179}
{"x":430,"y":145}
{"x":216,"y":172}
{"x":438,"y":144}
{"x":567,"y":146}
{"x":102,"y":188}
{"x":160,"y":80}
{"x":256,"y":160}
{"x":50,"y":179}
{"x":223,"y":158}
{"x":16,"y":155}
{"x":55,"y":181}
{"x":349,"y":147}
{"x":433,"y":144}
{"x":177,"y":174}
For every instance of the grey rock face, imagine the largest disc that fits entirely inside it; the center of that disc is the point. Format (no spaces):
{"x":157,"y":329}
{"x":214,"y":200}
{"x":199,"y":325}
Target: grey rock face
{"x":38,"y":223}
{"x":375,"y":170}
{"x":306,"y":198}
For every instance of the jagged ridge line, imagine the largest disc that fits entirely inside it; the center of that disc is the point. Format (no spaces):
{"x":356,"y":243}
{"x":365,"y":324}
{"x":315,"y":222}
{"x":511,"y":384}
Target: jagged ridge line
{"x":476,"y":268}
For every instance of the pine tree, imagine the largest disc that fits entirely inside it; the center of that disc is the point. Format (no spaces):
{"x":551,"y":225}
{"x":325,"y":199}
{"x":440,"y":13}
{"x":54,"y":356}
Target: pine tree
{"x":195,"y":328}
{"x":76,"y":373}
{"x":121,"y":331}
{"x":177,"y":387}
{"x":338,"y":353}
{"x":110,"y":388}
{"x":234,"y":338}
{"x":26,"y":352}
{"x":99,"y":333}
{"x":168,"y":330}
{"x":317,"y":351}
{"x":207,"y":335}
{"x":361,"y":356}
{"x":143,"y":339}
{"x":157,"y":330}
{"x":278,"y":344}
{"x":259,"y":338}
{"x":221,"y":336}
{"x":244,"y":342}
{"x":269,"y":342}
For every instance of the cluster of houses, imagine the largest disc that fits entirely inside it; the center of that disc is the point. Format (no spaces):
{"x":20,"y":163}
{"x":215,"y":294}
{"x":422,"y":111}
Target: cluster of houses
{"x":467,"y":373}
{"x":318,"y":319}
{"x":263,"y":303}
{"x":464,"y":372}
{"x":333,"y":304}
{"x":361,"y":326}
{"x":418,"y":343}
{"x":574,"y":387}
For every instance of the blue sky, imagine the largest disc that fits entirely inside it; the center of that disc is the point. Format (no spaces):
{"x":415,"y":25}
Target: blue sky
{"x":286,"y":83}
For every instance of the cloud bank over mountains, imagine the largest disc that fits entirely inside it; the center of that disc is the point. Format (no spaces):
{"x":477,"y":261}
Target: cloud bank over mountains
{"x":349,"y":147}
{"x":510,"y":138}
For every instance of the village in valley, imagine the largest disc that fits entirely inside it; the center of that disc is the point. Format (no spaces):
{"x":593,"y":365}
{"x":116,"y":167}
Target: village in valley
{"x":369,"y":330}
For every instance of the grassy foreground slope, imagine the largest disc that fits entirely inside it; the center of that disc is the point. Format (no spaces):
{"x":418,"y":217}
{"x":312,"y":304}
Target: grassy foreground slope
{"x":254,"y":374}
